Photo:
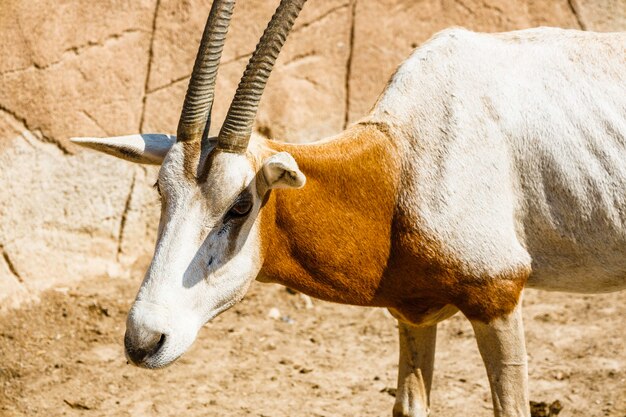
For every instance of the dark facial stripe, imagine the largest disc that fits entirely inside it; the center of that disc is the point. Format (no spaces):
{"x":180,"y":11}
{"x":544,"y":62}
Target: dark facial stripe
{"x":235,"y":224}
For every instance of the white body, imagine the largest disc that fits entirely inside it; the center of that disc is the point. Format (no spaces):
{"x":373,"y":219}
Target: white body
{"x":516,"y":146}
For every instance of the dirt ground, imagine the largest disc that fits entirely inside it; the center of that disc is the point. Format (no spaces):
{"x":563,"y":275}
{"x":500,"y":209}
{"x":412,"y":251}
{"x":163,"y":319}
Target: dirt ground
{"x":63,"y":357}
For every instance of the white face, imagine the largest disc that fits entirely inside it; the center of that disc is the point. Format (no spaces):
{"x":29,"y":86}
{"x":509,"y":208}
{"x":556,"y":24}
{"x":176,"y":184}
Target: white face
{"x":208,"y":248}
{"x":206,"y":256}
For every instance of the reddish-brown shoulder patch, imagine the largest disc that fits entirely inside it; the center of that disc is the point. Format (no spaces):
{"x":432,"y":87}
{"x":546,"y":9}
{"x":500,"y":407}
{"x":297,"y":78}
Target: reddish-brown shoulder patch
{"x":422,"y":278}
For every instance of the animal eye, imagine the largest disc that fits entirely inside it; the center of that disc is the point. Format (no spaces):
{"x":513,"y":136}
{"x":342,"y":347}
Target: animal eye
{"x":240,"y":209}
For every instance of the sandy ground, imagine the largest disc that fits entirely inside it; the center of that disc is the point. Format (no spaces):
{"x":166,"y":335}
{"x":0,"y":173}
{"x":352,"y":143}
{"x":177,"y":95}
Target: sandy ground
{"x":63,"y":357}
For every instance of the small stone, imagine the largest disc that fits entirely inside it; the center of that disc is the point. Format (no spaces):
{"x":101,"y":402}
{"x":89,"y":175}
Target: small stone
{"x":555,"y":408}
{"x":274,"y":313}
{"x":287,"y":319}
{"x":390,"y":391}
{"x":542,"y":409}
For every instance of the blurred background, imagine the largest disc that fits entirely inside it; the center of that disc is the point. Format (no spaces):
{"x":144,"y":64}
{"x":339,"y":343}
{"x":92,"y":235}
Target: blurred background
{"x":84,"y":224}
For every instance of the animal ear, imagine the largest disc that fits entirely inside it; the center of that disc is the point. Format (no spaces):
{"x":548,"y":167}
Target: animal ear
{"x":143,"y":149}
{"x":281,"y":171}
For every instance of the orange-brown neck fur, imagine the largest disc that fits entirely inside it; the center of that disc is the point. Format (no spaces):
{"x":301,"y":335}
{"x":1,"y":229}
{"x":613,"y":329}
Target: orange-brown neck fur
{"x":331,"y":239}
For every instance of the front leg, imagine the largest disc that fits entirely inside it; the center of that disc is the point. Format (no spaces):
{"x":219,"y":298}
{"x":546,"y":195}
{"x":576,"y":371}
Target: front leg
{"x":415,"y":371}
{"x":502,"y":347}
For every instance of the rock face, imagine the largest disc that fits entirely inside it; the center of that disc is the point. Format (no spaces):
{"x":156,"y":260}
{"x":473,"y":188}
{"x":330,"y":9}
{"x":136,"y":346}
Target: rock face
{"x":80,"y":68}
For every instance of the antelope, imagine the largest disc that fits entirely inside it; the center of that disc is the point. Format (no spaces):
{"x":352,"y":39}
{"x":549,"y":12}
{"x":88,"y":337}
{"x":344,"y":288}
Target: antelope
{"x":490,"y":163}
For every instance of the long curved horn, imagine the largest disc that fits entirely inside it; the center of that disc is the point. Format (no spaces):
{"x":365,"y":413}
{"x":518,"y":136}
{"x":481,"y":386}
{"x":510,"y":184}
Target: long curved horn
{"x":237,"y":127}
{"x":196,"y":115}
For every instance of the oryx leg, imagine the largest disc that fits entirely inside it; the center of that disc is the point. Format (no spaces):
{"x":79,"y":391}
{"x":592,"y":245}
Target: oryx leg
{"x":415,"y":371}
{"x":502,"y":347}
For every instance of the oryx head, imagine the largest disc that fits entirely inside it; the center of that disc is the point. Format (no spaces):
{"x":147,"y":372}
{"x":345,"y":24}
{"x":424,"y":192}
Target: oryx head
{"x":212,"y":190}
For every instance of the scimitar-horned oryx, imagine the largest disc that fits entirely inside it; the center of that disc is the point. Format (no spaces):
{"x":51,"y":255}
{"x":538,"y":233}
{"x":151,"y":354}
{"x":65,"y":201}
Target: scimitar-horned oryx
{"x":490,"y":163}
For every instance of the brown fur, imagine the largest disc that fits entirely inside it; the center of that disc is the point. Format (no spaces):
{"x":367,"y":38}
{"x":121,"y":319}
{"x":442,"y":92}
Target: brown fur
{"x":318,"y":237}
{"x":191,"y":150}
{"x":344,"y":238}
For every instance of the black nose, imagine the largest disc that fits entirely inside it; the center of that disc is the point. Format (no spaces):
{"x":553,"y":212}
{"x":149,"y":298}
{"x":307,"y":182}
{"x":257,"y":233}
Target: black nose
{"x":137,"y":351}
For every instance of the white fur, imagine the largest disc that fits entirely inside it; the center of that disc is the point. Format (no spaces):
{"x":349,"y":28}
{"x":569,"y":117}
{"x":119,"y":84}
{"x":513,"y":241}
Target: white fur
{"x":516,"y":148}
{"x":281,"y":171}
{"x":502,"y":347}
{"x":415,"y":370}
{"x":193,"y":277}
{"x":180,"y":278}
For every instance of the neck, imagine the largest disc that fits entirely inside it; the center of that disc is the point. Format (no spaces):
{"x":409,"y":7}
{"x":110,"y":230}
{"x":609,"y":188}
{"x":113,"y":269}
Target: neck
{"x":332,"y":239}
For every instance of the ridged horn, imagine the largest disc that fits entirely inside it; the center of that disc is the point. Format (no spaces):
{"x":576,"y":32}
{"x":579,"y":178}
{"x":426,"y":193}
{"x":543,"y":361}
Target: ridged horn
{"x":196,"y":115}
{"x":237,"y":128}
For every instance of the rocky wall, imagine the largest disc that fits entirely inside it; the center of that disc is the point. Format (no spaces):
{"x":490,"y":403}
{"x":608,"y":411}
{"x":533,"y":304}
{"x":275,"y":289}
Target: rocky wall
{"x":112,"y":67}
